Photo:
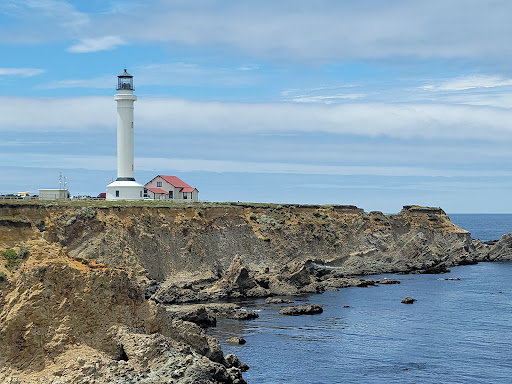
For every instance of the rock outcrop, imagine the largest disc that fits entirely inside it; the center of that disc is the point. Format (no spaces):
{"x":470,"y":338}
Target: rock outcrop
{"x":83,"y":286}
{"x":66,"y":320}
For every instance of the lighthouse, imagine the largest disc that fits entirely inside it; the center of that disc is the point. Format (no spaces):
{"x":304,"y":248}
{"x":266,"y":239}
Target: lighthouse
{"x":125,"y":187}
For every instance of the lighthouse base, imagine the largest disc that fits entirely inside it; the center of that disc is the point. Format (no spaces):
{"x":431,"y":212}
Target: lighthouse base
{"x":125,"y":190}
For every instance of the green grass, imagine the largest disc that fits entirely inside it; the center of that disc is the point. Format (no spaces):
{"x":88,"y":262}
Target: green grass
{"x":149,"y":203}
{"x":14,"y":259}
{"x":420,"y":208}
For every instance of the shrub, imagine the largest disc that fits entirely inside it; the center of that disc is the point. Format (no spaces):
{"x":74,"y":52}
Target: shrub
{"x":41,"y":226}
{"x":14,"y":259}
{"x":3,"y":277}
{"x":23,"y":253}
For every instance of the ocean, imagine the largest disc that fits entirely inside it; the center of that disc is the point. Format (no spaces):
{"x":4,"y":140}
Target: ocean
{"x":458,"y":331}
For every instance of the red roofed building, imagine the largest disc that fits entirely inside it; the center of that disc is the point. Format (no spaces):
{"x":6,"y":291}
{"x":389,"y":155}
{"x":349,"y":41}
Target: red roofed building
{"x":170,"y":188}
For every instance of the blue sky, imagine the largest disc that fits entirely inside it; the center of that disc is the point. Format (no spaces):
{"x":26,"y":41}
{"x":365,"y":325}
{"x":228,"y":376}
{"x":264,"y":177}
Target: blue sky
{"x":374,"y":103}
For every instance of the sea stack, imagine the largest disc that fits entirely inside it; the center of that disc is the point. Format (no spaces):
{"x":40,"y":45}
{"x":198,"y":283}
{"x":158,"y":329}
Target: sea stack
{"x":125,"y":187}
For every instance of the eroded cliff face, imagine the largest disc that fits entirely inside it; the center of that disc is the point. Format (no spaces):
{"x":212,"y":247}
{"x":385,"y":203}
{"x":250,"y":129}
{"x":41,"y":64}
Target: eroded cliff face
{"x":67,"y":320}
{"x":202,"y":252}
{"x":96,"y":276}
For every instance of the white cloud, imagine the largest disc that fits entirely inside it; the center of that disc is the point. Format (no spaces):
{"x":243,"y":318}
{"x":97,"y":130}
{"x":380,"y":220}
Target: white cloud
{"x":470,"y":82}
{"x":323,"y":30}
{"x":326,"y":30}
{"x":430,"y":121}
{"x":99,"y":83}
{"x":156,"y":164}
{"x":250,"y":67}
{"x":328,"y":99}
{"x":192,"y":74}
{"x":35,"y":21}
{"x":24,"y":72}
{"x":59,"y":114}
{"x":105,"y":43}
{"x":364,"y":119}
{"x":325,"y":95}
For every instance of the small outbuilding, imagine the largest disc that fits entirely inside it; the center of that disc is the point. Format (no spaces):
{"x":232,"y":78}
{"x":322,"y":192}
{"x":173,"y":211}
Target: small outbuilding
{"x":53,"y":194}
{"x":170,"y":188}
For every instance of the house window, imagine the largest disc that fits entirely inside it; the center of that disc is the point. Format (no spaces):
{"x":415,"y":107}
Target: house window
{"x":145,"y":192}
{"x":171,"y":195}
{"x":159,"y":184}
{"x":140,"y":193}
{"x":117,"y":193}
{"x":185,"y":195}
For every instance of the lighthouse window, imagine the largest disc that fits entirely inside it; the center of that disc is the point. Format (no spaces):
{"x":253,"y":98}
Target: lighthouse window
{"x":117,"y":193}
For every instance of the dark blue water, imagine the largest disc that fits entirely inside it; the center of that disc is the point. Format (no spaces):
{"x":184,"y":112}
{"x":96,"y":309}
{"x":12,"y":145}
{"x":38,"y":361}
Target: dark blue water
{"x":484,"y":226}
{"x":459,"y":331}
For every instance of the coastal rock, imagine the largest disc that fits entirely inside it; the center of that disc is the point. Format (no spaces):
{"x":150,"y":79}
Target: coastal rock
{"x":501,"y":250}
{"x":199,"y":316}
{"x":408,"y":300}
{"x":388,"y":281}
{"x":237,"y":277}
{"x":189,"y":254}
{"x":234,"y":361}
{"x":277,"y":300}
{"x":106,"y":331}
{"x":242,"y":314}
{"x":297,"y":310}
{"x":195,"y":336}
{"x":236,"y":340}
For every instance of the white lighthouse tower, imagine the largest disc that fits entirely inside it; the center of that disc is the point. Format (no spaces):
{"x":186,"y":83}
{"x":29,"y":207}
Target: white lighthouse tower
{"x":125,"y":187}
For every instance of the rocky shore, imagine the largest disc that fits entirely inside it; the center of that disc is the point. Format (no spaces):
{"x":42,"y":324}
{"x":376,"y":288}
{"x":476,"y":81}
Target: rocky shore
{"x":98,"y":293}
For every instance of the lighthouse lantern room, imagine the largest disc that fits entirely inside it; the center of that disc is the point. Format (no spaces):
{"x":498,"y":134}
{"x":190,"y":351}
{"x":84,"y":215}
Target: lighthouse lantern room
{"x":125,"y":187}
{"x":125,"y":81}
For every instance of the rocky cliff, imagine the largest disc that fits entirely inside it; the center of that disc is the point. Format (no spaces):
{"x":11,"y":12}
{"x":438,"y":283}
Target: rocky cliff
{"x":82,"y":285}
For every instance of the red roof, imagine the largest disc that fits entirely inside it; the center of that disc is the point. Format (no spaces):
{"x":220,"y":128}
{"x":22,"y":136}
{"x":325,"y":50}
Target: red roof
{"x":157,"y":190}
{"x":176,"y":181}
{"x":187,"y":189}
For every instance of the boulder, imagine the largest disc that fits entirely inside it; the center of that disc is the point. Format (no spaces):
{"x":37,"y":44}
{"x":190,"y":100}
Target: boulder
{"x":233,"y":361}
{"x":242,"y":314}
{"x":408,"y":300}
{"x":277,"y":300}
{"x":297,"y":310}
{"x":236,"y":279}
{"x":236,"y":340}
{"x":200,"y":317}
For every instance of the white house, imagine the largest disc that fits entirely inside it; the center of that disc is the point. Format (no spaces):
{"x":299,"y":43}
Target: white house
{"x":170,"y":188}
